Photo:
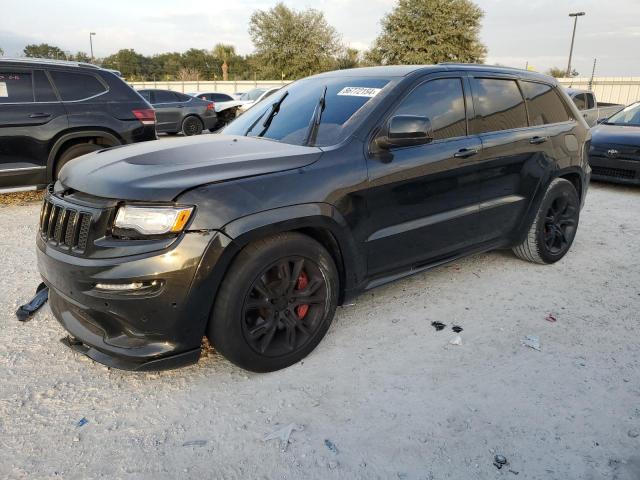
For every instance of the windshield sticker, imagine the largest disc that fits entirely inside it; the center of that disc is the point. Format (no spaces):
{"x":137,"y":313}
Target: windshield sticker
{"x":359,"y":92}
{"x":3,"y":90}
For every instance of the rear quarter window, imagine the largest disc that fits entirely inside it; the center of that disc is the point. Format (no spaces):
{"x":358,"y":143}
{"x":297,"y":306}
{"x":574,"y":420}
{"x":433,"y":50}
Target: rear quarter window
{"x":545,"y":105}
{"x":499,"y":105}
{"x":15,"y":87}
{"x":77,"y":86}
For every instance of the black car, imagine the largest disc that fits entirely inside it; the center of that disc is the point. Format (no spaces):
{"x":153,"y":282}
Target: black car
{"x":54,"y":111}
{"x":615,"y":148}
{"x":177,"y":112}
{"x":337,"y":184}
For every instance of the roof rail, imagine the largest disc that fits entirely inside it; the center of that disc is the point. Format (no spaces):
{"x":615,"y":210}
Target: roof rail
{"x":48,"y":61}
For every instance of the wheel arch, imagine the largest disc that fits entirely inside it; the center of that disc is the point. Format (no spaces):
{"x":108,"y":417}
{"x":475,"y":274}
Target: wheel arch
{"x":68,"y":139}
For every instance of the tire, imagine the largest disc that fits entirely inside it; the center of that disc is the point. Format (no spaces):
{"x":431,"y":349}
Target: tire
{"x":260,"y":320}
{"x":191,"y":125}
{"x":73,"y":152}
{"x":554,"y":228}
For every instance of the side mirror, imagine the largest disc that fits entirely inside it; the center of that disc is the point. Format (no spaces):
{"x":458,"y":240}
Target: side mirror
{"x":406,"y":131}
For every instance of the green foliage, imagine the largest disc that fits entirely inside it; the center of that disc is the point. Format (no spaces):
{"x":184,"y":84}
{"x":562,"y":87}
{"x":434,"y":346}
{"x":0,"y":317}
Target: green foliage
{"x":44,"y":50}
{"x":131,"y":64}
{"x":350,"y":58}
{"x":292,"y":44}
{"x":1,"y":52}
{"x":561,"y":72}
{"x":430,"y":31}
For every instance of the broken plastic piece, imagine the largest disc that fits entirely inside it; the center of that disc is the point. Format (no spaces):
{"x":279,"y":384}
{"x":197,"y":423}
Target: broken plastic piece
{"x":457,"y":340}
{"x":330,"y":445}
{"x":457,"y":328}
{"x":283,"y":435}
{"x":26,"y":311}
{"x":551,"y":318}
{"x":531,"y":341}
{"x":438,"y":325}
{"x":500,"y":461}
{"x":83,"y":421}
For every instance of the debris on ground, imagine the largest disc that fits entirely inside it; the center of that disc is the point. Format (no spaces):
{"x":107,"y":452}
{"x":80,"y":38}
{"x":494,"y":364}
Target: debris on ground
{"x":457,"y":340}
{"x":25,"y":311}
{"x":514,"y":472}
{"x":457,"y":328}
{"x":531,"y":341}
{"x":438,"y":326}
{"x":633,"y":433}
{"x":551,"y":318}
{"x":81,"y":422}
{"x":500,"y":461}
{"x":195,"y":443}
{"x":330,"y":445}
{"x":283,"y":435}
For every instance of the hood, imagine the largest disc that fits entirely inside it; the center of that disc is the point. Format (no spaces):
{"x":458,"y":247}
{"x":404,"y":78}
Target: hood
{"x":615,"y":134}
{"x":162,"y":169}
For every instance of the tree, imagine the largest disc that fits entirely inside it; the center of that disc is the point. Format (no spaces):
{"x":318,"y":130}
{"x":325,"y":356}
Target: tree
{"x":80,"y":57}
{"x":430,"y":31}
{"x":131,"y":64}
{"x":44,"y":50}
{"x":561,"y":72}
{"x":188,"y":75}
{"x":1,"y":52}
{"x":291,"y":43}
{"x":350,"y":58}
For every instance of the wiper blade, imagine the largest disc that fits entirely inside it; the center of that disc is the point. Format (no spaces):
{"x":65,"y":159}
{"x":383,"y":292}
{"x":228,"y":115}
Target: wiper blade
{"x":275,"y":108}
{"x":316,"y":118}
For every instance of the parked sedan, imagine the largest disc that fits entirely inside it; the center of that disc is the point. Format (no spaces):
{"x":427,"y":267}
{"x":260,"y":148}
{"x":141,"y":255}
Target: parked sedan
{"x":254,"y":96}
{"x":177,"y":112}
{"x":225,"y":105}
{"x":615,"y":147}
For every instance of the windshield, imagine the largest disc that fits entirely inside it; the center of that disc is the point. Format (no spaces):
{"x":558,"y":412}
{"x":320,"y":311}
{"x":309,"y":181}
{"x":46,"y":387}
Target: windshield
{"x":627,"y":116}
{"x":287,"y":115}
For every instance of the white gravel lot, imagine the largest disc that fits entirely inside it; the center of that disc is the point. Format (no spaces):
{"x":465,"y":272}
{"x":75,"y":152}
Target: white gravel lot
{"x":391,"y":394}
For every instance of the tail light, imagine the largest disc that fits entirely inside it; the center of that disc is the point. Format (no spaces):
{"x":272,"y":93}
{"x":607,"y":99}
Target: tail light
{"x":147,"y":116}
{"x":211,"y":106}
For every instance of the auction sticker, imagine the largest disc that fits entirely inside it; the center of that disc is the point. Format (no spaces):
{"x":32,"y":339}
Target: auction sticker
{"x":359,"y":92}
{"x":3,"y":90}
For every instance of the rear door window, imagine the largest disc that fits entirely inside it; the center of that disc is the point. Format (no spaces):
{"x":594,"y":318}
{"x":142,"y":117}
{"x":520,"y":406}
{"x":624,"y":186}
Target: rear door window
{"x":442,"y":101}
{"x":183,"y":98}
{"x":163,"y":96}
{"x":499,"y":105}
{"x":76,"y":86}
{"x":146,"y":94}
{"x":15,"y":87}
{"x":220,"y":97}
{"x":545,"y":105}
{"x":42,"y":88}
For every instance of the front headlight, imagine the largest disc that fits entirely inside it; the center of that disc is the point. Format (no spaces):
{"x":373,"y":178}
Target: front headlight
{"x":152,"y":220}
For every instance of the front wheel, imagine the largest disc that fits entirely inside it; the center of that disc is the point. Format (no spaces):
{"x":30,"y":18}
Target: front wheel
{"x":275,"y":304}
{"x":554,"y":228}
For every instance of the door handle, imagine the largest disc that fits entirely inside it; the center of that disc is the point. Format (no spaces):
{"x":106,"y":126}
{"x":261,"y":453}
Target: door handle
{"x":465,"y":153}
{"x":40,"y":115}
{"x":538,"y":140}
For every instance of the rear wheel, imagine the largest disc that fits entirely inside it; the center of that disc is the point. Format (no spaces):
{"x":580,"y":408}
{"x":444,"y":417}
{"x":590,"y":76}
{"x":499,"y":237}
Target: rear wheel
{"x":73,"y":152}
{"x":192,"y":126}
{"x":554,"y":228}
{"x":275,"y":304}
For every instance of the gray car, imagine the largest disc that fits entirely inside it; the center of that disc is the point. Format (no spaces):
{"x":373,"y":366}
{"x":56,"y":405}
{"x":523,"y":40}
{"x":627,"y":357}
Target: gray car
{"x":177,"y":112}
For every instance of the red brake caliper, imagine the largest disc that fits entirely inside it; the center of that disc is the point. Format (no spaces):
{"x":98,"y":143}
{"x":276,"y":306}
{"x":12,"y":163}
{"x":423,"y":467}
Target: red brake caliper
{"x":302,"y":283}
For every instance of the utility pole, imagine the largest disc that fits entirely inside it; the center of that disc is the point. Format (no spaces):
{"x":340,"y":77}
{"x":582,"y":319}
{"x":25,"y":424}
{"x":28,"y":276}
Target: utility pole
{"x":91,"y":34}
{"x":593,"y":74}
{"x":573,"y":37}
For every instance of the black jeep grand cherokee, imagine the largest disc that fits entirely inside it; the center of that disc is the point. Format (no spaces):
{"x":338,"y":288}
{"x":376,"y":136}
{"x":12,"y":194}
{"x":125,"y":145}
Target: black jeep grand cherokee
{"x":339,"y":183}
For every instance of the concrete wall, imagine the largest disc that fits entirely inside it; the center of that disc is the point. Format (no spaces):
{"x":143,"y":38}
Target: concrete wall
{"x":624,"y":90}
{"x":210,"y":86}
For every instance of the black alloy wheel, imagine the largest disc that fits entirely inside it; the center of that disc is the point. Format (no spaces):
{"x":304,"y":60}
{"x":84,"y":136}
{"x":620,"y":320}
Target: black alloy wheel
{"x":285,"y":306}
{"x":560,"y":225}
{"x":275,"y":303}
{"x":191,"y":126}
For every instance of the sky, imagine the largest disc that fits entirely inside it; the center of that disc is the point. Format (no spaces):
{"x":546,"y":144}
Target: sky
{"x":514,"y":31}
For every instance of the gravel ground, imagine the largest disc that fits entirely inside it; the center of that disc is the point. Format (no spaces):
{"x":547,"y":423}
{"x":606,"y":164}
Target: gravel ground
{"x":390,"y":395}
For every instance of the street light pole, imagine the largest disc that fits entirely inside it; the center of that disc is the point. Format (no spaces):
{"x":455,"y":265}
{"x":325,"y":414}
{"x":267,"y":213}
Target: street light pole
{"x":91,"y":34}
{"x":573,"y":37}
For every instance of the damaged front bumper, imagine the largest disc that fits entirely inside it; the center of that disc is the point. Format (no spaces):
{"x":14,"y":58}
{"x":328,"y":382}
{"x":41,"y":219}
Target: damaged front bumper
{"x":153,"y":329}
